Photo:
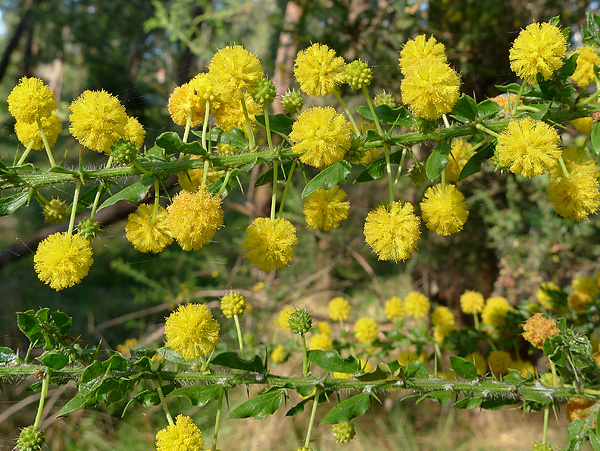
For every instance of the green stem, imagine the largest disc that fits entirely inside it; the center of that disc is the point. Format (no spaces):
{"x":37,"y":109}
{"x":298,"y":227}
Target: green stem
{"x":74,"y":207}
{"x":443,"y":181}
{"x":546,"y":414}
{"x":304,"y":357}
{"x":486,"y":130}
{"x":205,"y":124}
{"x":225,"y":181}
{"x":163,"y":402}
{"x":446,"y":122}
{"x":27,"y":150}
{"x":45,"y":141}
{"x":563,"y":167}
{"x":372,"y":109}
{"x":554,"y":374}
{"x":313,"y":415}
{"x":251,"y":142}
{"x":239,"y":333}
{"x":45,"y":385}
{"x":590,"y":98}
{"x":513,"y":110}
{"x":476,"y":321}
{"x":268,"y":126}
{"x":218,"y":419}
{"x":286,"y":187}
{"x":528,"y":108}
{"x":399,"y":171}
{"x":274,"y":194}
{"x":100,"y":190}
{"x":156,"y":200}
{"x":347,"y":111}
{"x":188,"y":126}
{"x":388,"y":168}
{"x":438,"y":351}
{"x":205,"y":172}
{"x":144,"y":170}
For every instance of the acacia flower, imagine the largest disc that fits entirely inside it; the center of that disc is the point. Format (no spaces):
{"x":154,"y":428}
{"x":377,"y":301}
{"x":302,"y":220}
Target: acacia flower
{"x":339,"y":309}
{"x":539,"y":49}
{"x":134,"y":132}
{"x":587,"y":285}
{"x":192,"y":179}
{"x":30,"y":100}
{"x":97,"y":120}
{"x":366,"y":330}
{"x":191,"y":331}
{"x":495,"y":310}
{"x":575,"y":197}
{"x":279,"y":354}
{"x":430,"y":89}
{"x":323,"y":327}
{"x":394,"y":308}
{"x":182,"y":103}
{"x":442,"y":331}
{"x":528,"y":147}
{"x":62,"y":260}
{"x":442,"y":315}
{"x":471,"y":302}
{"x":318,"y":70}
{"x":233,"y":304}
{"x":444,"y":211}
{"x":270,"y":243}
{"x":321,"y":136}
{"x":418,"y":49}
{"x":235,"y":66}
{"x":461,"y":152}
{"x":184,"y":435}
{"x":584,"y":74}
{"x":417,"y":305}
{"x":320,"y":341}
{"x":393,"y":231}
{"x":325,"y":208}
{"x":26,"y":133}
{"x":147,"y":235}
{"x":583,"y":124}
{"x":538,"y":328}
{"x":499,"y":361}
{"x":230,"y":114}
{"x":194,"y":218}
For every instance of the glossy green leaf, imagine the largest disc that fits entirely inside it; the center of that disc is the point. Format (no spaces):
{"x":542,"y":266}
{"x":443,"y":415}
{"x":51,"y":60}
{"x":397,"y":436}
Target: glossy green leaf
{"x":78,"y":402}
{"x":29,"y":324}
{"x":233,"y":360}
{"x":348,"y":409}
{"x":335,"y":174}
{"x":473,"y":166}
{"x":487,"y":109}
{"x":91,"y":372}
{"x":441,"y":396}
{"x":468,"y":402}
{"x":259,"y":406}
{"x":199,"y":395}
{"x":463,"y":368}
{"x":10,"y":204}
{"x":171,"y":142}
{"x":277,"y":122}
{"x":234,"y":137}
{"x":594,"y":441}
{"x":331,"y":361}
{"x":465,"y":109}
{"x":53,"y":359}
{"x":595,"y":137}
{"x":62,"y":320}
{"x":298,"y":408}
{"x":387,"y":115}
{"x":171,"y":356}
{"x":132,"y":193}
{"x":438,"y":160}
{"x":416,"y":369}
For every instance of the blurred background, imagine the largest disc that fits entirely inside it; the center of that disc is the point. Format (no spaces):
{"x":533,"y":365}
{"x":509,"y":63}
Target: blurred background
{"x":139,"y":51}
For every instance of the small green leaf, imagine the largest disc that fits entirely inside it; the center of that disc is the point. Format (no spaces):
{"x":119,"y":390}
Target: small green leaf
{"x":331,"y":361}
{"x":348,"y":409}
{"x":438,"y":160}
{"x":376,"y":169}
{"x":259,"y":406}
{"x":468,"y":402}
{"x":465,"y":109}
{"x":29,"y":324}
{"x":463,"y":368}
{"x":7,"y":355}
{"x":416,"y":369}
{"x":62,"y":320}
{"x":441,"y":396}
{"x":232,"y":360}
{"x":569,"y":66}
{"x":78,"y":402}
{"x":199,"y":395}
{"x":53,"y":359}
{"x":538,"y":397}
{"x":171,"y":142}
{"x":335,"y":174}
{"x":594,"y":441}
{"x":473,"y":166}
{"x":234,"y":137}
{"x":170,"y":355}
{"x":487,"y":109}
{"x":132,"y":193}
{"x":10,"y":204}
{"x":279,"y":123}
{"x":387,"y":115}
{"x":595,"y":137}
{"x":91,"y":372}
{"x":298,"y":408}
{"x":574,"y":430}
{"x":147,"y":398}
{"x":267,"y":176}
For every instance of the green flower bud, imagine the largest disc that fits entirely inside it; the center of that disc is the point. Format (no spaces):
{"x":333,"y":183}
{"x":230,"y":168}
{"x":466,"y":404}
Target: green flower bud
{"x":88,"y":228}
{"x":357,"y":151}
{"x":343,"y":432}
{"x":292,"y":101}
{"x":304,"y":448}
{"x":358,"y":74}
{"x":496,"y":162}
{"x":263,"y":91}
{"x":123,"y":152}
{"x":425,"y":125}
{"x":233,"y":304}
{"x":55,"y":211}
{"x":300,"y":322}
{"x":384,"y":98}
{"x":542,"y":447}
{"x":30,"y":439}
{"x":417,"y":173}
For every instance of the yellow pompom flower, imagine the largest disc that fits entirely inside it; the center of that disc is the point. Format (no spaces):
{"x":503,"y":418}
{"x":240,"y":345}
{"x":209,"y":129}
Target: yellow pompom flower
{"x":233,"y":304}
{"x":538,"y":328}
{"x":26,"y":133}
{"x":339,"y":309}
{"x":279,"y":354}
{"x":325,"y":208}
{"x":184,"y":435}
{"x":394,"y":308}
{"x":499,"y":362}
{"x":539,"y":49}
{"x":270,"y":243}
{"x":419,"y":49}
{"x":430,"y":89}
{"x":392,"y":231}
{"x":183,"y":104}
{"x":320,"y":341}
{"x":444,"y":211}
{"x":495,"y":310}
{"x":318,"y":70}
{"x":587,"y":285}
{"x":366,"y":330}
{"x":584,"y":74}
{"x":194,"y":218}
{"x":192,"y":179}
{"x":442,"y":315}
{"x":148,"y":234}
{"x":417,"y":305}
{"x":323,"y":327}
{"x":134,"y":132}
{"x":97,"y":120}
{"x":31,"y":100}
{"x":62,"y":260}
{"x":235,"y":66}
{"x":461,"y":152}
{"x":575,"y":197}
{"x":205,"y":87}
{"x":579,"y":302}
{"x":528,"y":147}
{"x":283,"y":319}
{"x":542,"y":296}
{"x":471,"y":302}
{"x":321,"y":136}
{"x":524,"y":366}
{"x":230,"y":113}
{"x":191,"y":331}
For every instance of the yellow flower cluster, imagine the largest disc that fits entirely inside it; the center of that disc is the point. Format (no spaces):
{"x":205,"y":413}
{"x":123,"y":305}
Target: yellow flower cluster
{"x":577,"y":196}
{"x":538,"y":328}
{"x":339,"y":309}
{"x":460,"y":153}
{"x":191,"y":331}
{"x":417,"y":305}
{"x":146,"y":231}
{"x":270,"y":243}
{"x":471,"y":302}
{"x":325,"y":209}
{"x":394,"y":308}
{"x":29,"y":133}
{"x":31,"y":100}
{"x":366,"y":330}
{"x":184,"y":435}
{"x":320,"y":341}
{"x":495,"y":310}
{"x":233,"y":304}
{"x":444,"y":209}
{"x":318,"y":70}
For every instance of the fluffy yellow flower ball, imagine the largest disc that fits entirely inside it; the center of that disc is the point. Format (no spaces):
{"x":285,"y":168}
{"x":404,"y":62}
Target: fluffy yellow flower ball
{"x":62,"y":260}
{"x":583,"y":124}
{"x":407,"y":356}
{"x":194,"y":218}
{"x":26,"y":133}
{"x":579,"y":302}
{"x":539,"y":49}
{"x":134,"y":132}
{"x":392,"y":231}
{"x":419,"y":49}
{"x":31,"y":100}
{"x":366,"y":330}
{"x":442,"y":315}
{"x":233,"y":304}
{"x":191,"y":331}
{"x":184,"y":435}
{"x":444,"y":210}
{"x":417,"y":305}
{"x":575,"y":197}
{"x":471,"y":302}
{"x":230,"y":113}
{"x":430,"y":88}
{"x":339,"y":309}
{"x":182,"y":105}
{"x":499,"y":362}
{"x":320,"y":341}
{"x":584,"y":73}
{"x":148,"y":233}
{"x":528,"y":147}
{"x":235,"y":66}
{"x":394,"y":308}
{"x":318,"y":70}
{"x":587,"y":285}
{"x":538,"y":328}
{"x":270,"y":243}
{"x":97,"y":120}
{"x":321,"y":136}
{"x":325,"y":208}
{"x":495,"y":311}
{"x":460,"y":153}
